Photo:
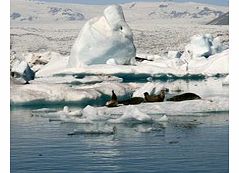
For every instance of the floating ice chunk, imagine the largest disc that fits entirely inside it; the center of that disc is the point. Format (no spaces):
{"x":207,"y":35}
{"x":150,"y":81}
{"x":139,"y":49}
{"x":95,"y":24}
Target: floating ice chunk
{"x":65,"y":115}
{"x":75,"y":120}
{"x":226,"y":81}
{"x":217,"y":46}
{"x":132,"y":114}
{"x":164,"y":118}
{"x":68,"y":112}
{"x":56,"y":63}
{"x":44,"y":110}
{"x":38,"y":60}
{"x":20,"y":69}
{"x":150,"y":87}
{"x":94,"y":131}
{"x":174,"y":54}
{"x":199,"y":46}
{"x":102,"y":38}
{"x":143,"y":129}
{"x":203,"y":46}
{"x":91,"y":113}
{"x":111,"y":61}
{"x":216,"y":64}
{"x":176,"y":88}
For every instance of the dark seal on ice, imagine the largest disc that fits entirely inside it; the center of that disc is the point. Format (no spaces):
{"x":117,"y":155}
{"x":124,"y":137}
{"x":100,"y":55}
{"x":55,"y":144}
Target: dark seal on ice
{"x":185,"y":96}
{"x":113,"y":102}
{"x":132,"y":101}
{"x":155,"y":98}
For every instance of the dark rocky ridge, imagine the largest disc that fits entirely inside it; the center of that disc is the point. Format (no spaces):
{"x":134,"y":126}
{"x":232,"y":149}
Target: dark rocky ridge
{"x":221,"y":20}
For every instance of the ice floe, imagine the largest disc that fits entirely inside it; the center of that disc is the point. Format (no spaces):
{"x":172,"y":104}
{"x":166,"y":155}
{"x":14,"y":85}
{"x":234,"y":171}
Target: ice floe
{"x":137,"y":114}
{"x":190,"y":107}
{"x":42,"y":93}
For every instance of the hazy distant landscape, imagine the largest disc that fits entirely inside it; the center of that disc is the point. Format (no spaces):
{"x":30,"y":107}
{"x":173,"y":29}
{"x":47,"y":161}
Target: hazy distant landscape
{"x":157,"y":26}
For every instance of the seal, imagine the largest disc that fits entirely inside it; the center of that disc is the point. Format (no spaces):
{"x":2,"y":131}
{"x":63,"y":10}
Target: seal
{"x":185,"y":96}
{"x":113,"y":102}
{"x":155,"y":98}
{"x":132,"y":101}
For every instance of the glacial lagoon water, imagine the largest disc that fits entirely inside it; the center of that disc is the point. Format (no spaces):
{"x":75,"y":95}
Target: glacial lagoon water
{"x":183,"y":144}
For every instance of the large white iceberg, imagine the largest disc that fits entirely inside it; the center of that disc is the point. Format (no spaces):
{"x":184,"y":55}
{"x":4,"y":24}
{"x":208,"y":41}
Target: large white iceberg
{"x":103,"y":38}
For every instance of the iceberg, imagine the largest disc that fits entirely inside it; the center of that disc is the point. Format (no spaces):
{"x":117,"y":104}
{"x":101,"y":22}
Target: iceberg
{"x":203,"y":46}
{"x":103,"y":38}
{"x":20,"y":69}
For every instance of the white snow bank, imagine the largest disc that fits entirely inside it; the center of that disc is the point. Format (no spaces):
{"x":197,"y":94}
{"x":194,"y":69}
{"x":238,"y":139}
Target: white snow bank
{"x":102,"y":38}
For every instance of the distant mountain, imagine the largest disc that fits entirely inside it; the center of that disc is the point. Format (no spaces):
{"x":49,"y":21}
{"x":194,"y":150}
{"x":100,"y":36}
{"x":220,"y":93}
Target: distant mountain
{"x":186,"y":10}
{"x":67,"y":13}
{"x":221,"y":20}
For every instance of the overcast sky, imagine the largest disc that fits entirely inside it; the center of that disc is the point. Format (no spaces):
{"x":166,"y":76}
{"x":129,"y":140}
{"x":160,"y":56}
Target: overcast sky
{"x":218,"y":2}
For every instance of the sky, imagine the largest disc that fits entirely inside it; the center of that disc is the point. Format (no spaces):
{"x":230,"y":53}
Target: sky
{"x":217,"y":2}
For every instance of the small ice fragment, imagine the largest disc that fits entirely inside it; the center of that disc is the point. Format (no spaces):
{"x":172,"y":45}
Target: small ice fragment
{"x":164,"y":118}
{"x":132,"y":114}
{"x":226,"y":81}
